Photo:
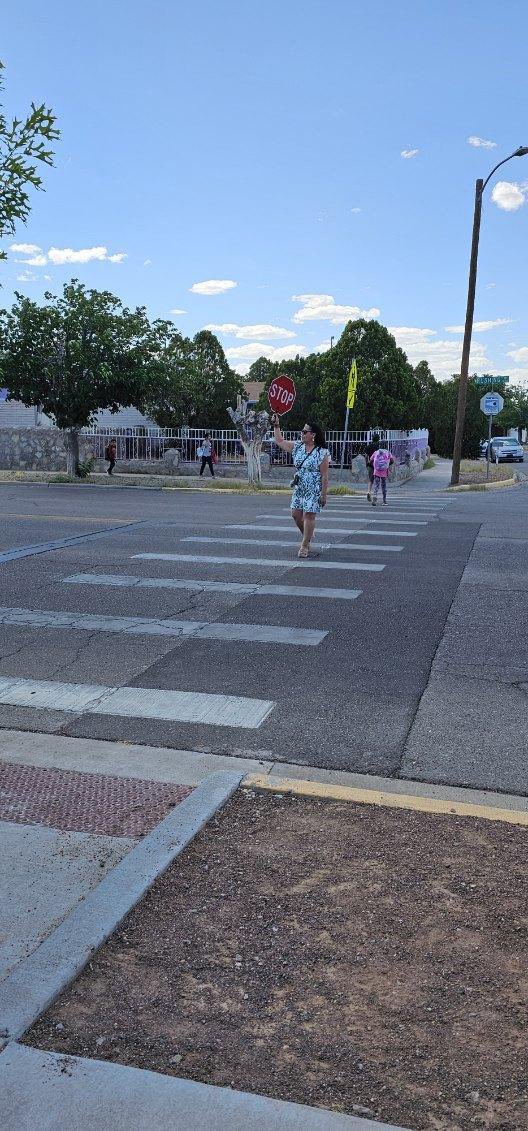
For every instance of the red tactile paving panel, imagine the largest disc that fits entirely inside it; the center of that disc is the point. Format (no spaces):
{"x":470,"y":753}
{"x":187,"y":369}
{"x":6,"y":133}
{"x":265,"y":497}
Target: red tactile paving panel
{"x":90,"y":803}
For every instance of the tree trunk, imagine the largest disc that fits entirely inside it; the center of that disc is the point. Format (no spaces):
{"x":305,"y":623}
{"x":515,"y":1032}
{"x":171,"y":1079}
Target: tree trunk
{"x":251,"y":427}
{"x":71,"y":443}
{"x":254,"y":469}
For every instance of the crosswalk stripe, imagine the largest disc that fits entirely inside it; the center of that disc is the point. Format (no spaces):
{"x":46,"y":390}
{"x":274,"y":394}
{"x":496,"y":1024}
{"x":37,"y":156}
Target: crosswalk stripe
{"x":327,"y":530}
{"x":371,"y":519}
{"x":123,"y":581}
{"x":395,"y":510}
{"x":396,"y":500}
{"x":137,"y":702}
{"x":289,"y":544}
{"x":145,"y":626}
{"x":283,"y":563}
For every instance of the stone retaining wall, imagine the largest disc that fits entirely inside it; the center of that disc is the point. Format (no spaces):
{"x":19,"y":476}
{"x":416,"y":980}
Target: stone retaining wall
{"x":37,"y":449}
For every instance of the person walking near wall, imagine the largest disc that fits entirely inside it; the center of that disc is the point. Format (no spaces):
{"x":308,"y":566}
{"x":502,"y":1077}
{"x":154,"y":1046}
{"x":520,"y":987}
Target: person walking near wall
{"x":311,"y":460}
{"x":381,"y":462}
{"x":208,"y":454}
{"x":111,"y":455}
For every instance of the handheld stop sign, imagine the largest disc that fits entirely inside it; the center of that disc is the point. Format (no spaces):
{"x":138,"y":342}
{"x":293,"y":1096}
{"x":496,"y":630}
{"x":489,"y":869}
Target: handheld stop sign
{"x":281,"y":394}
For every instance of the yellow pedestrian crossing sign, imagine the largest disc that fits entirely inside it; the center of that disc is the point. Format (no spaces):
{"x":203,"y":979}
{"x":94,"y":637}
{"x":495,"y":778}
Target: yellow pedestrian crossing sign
{"x":352,"y":385}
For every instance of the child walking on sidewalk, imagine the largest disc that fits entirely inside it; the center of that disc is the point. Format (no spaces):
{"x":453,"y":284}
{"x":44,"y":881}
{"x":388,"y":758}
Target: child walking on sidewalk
{"x":381,"y":462}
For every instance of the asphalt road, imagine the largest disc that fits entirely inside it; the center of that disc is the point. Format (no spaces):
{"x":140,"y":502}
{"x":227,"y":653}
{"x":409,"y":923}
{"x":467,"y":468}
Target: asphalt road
{"x":389,"y":670}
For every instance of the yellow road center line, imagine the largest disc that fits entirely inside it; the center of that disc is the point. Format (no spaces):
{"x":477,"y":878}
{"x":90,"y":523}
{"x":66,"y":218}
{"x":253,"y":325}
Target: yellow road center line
{"x":303,"y":788}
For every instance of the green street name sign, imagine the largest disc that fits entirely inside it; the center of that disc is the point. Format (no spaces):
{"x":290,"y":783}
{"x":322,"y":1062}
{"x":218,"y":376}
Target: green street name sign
{"x":487,"y":379}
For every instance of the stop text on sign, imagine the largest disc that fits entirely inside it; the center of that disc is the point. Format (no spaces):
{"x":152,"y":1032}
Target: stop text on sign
{"x":281,"y":394}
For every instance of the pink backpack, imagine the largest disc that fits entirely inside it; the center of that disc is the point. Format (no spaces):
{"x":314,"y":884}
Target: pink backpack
{"x":381,"y":460}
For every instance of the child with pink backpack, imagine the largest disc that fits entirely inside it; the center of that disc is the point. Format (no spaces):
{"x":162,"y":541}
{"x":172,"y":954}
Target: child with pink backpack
{"x":381,"y":462}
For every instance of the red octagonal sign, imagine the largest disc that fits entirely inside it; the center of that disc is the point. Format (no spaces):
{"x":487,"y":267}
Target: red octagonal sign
{"x":281,"y":394}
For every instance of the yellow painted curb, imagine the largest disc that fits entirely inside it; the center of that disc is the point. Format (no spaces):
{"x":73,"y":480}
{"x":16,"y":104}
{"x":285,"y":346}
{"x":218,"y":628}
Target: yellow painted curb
{"x":303,"y":788}
{"x":485,"y":486}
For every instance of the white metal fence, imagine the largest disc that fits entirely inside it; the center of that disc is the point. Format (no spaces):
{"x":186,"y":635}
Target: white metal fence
{"x":150,"y":444}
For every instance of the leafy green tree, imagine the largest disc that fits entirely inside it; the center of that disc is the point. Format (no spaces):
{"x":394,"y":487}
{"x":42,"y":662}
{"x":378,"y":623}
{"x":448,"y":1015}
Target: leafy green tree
{"x":24,"y":144}
{"x":515,"y":411}
{"x":387,"y":392}
{"x":306,"y":373}
{"x":440,"y":410}
{"x":76,"y":354}
{"x":262,"y":370}
{"x":191,"y":381}
{"x":170,"y":395}
{"x":424,"y":380}
{"x":216,"y":383}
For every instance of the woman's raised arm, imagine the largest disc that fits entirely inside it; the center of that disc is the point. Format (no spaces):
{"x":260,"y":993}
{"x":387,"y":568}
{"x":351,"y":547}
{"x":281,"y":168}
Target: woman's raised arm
{"x":286,"y":445}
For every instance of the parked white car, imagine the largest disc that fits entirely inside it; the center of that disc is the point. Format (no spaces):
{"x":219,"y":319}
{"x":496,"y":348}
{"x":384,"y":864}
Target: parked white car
{"x":504,"y":448}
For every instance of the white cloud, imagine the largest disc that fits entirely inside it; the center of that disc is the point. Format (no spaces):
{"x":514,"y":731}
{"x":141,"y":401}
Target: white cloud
{"x":323,"y":346}
{"x":147,"y":262}
{"x":82,"y":255}
{"x":508,"y":195}
{"x":355,"y":210}
{"x":518,"y":376}
{"x":519,"y":354}
{"x":177,"y":311}
{"x":60,"y":255}
{"x":34,"y":261}
{"x":481,"y":143}
{"x":25,"y":248}
{"x":490,"y":286}
{"x":408,"y":153}
{"x":443,"y":356}
{"x":26,"y":277}
{"x":254,"y":350}
{"x":323,"y":308}
{"x":480,"y":326}
{"x":262,"y":331}
{"x":213,"y":287}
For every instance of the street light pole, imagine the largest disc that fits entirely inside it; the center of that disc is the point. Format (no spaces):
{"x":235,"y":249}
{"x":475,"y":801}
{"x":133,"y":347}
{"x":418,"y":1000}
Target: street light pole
{"x":468,"y":327}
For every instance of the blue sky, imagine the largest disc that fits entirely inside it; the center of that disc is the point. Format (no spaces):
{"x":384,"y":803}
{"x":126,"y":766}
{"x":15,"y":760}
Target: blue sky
{"x":260,"y":144}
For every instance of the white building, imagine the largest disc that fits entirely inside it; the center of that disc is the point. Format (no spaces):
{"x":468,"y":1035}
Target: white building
{"x":14,"y":414}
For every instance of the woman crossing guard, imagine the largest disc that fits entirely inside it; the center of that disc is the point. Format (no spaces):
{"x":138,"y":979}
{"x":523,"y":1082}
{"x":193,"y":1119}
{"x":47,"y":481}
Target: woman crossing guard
{"x":310,"y":483}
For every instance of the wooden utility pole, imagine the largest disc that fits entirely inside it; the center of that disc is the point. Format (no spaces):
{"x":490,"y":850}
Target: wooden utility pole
{"x":468,"y":330}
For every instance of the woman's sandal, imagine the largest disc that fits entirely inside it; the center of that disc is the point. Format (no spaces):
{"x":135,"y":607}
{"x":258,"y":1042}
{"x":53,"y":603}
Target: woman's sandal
{"x":303,"y":552}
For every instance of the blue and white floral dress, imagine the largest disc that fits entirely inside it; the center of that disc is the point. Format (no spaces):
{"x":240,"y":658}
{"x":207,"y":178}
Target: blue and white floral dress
{"x":307,"y":494}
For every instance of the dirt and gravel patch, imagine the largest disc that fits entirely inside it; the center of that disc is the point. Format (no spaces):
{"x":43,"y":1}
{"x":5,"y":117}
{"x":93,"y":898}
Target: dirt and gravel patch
{"x":474,"y":471}
{"x":362,"y":959}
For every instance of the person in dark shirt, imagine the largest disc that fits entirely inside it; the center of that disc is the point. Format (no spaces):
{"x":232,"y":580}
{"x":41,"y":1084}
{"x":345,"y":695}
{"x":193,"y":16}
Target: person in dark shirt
{"x":372,"y":447}
{"x":111,"y":455}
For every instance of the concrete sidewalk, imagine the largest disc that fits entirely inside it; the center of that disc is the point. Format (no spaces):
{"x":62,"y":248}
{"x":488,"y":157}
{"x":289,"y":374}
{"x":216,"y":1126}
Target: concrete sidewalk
{"x":470,"y":726}
{"x":43,"y":1091}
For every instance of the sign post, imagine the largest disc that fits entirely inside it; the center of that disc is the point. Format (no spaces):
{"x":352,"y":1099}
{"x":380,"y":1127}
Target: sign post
{"x":351,"y":398}
{"x":490,"y":404}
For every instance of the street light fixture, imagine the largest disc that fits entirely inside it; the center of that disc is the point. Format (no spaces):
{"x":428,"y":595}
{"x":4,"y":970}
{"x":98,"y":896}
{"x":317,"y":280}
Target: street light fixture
{"x":468,"y":328}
